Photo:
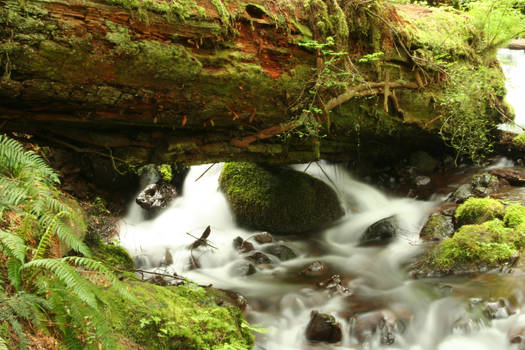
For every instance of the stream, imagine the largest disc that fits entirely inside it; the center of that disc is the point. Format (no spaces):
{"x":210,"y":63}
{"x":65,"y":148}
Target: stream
{"x":419,"y":314}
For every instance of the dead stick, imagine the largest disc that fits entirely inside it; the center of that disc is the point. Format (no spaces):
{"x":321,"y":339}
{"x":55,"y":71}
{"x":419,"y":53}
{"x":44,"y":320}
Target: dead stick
{"x":205,"y":171}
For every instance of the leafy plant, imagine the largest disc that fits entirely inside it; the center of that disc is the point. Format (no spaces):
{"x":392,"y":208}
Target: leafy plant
{"x":38,"y":226}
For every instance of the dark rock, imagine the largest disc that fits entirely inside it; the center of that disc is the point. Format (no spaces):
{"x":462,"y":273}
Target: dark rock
{"x":516,"y":335}
{"x":259,"y":258}
{"x":423,"y":162}
{"x":437,"y":227}
{"x":422,"y":180}
{"x":324,"y":328}
{"x":334,"y":285}
{"x":243,"y":268}
{"x":264,"y":237}
{"x":383,"y":321}
{"x":461,"y":194}
{"x":317,"y":268}
{"x":278,"y":199}
{"x":512,"y":176}
{"x":484,"y":184}
{"x":230,"y":298}
{"x":241,"y":245}
{"x":380,"y":232}
{"x":281,"y":251}
{"x":156,"y":196}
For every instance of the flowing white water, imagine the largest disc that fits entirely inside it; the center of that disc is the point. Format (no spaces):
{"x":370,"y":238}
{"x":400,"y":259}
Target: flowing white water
{"x":432,"y":314}
{"x":513,"y":63}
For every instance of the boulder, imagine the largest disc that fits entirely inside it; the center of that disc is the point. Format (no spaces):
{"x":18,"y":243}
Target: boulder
{"x":484,"y":184}
{"x":437,"y":227}
{"x":324,"y":328}
{"x":156,"y":196}
{"x":380,"y":232}
{"x":263,"y":237}
{"x":317,"y":268}
{"x":258,"y":258}
{"x":278,"y":199}
{"x":368,"y":324}
{"x":512,"y":176}
{"x":281,"y":251}
{"x":243,"y":268}
{"x":241,"y":245}
{"x":463,"y":193}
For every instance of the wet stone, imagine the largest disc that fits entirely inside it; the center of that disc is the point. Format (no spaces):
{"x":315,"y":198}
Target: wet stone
{"x":484,"y":184}
{"x":499,"y":309}
{"x":368,"y":324}
{"x":241,"y":245}
{"x":317,"y":268}
{"x":243,"y":268}
{"x":512,"y":176}
{"x":156,"y":196}
{"x":461,"y":194}
{"x":263,"y":238}
{"x":258,"y":258}
{"x":334,"y":286}
{"x":281,"y":251}
{"x":437,"y":227}
{"x":516,"y":335}
{"x":323,"y":328}
{"x":380,"y":232}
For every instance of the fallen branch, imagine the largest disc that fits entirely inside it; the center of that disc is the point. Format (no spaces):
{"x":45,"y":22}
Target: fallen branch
{"x":267,"y":133}
{"x":175,"y":276}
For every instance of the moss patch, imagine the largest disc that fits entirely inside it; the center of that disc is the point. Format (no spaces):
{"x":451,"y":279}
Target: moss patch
{"x":514,"y":215}
{"x":184,"y":317}
{"x":519,"y":141}
{"x":488,"y":244}
{"x":114,"y":256}
{"x":278,"y":200}
{"x":478,"y":210}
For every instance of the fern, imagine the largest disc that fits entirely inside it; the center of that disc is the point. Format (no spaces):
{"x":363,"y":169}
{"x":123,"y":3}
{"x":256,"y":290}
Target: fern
{"x":12,"y":245}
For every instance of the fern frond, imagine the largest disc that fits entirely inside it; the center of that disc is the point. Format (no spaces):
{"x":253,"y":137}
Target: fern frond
{"x":45,"y":240}
{"x":66,"y":234}
{"x":12,"y":193}
{"x":16,"y":162}
{"x":94,"y":265}
{"x":3,"y":344}
{"x":67,"y":274}
{"x":13,"y":245}
{"x":13,"y":272}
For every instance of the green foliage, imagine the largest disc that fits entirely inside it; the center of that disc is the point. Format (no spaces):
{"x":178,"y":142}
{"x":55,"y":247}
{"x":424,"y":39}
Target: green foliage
{"x":478,"y":210}
{"x":165,"y":172}
{"x":38,"y":225}
{"x":468,"y":102}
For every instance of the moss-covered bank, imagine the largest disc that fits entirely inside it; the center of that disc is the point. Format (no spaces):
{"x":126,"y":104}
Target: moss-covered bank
{"x":276,"y":199}
{"x":183,"y":317}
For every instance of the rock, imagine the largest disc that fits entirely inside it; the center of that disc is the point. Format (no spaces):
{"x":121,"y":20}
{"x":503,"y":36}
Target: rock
{"x":228,"y":298}
{"x":243,"y":268}
{"x":278,"y":199}
{"x":484,"y":184}
{"x":281,"y":251}
{"x":258,"y":258}
{"x":423,"y":162}
{"x":512,"y":176}
{"x":334,"y":286}
{"x":517,"y":44}
{"x":422,"y":180}
{"x":437,"y":227}
{"x":264,"y":237}
{"x":156,"y":196}
{"x":516,"y":335}
{"x":380,"y":232}
{"x":241,"y":245}
{"x":317,"y":268}
{"x":463,"y":193}
{"x":498,"y":309}
{"x":324,"y":328}
{"x":366,"y":325}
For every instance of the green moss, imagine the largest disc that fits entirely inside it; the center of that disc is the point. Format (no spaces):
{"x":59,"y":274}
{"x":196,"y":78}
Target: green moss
{"x":514,"y":215}
{"x":487,"y":244}
{"x":519,"y":141}
{"x":165,"y":172}
{"x":478,"y":210}
{"x":184,"y":317}
{"x":114,"y":256}
{"x":222,"y":11}
{"x":276,"y":199}
{"x":180,"y":9}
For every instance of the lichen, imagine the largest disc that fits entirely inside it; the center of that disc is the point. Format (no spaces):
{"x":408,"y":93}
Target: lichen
{"x":277,"y":199}
{"x":183,"y":317}
{"x":479,"y":210}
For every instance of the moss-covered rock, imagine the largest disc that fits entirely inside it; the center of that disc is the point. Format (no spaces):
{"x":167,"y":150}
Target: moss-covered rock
{"x":514,"y":215}
{"x":437,"y":227}
{"x":114,"y":256}
{"x":473,"y":246}
{"x":278,"y":199}
{"x":479,"y":210}
{"x":183,"y":317}
{"x":519,"y":141}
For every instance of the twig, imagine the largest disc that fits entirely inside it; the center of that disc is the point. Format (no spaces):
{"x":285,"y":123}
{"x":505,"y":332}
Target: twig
{"x":328,"y":177}
{"x":197,"y":238}
{"x":205,"y":171}
{"x":175,"y":276}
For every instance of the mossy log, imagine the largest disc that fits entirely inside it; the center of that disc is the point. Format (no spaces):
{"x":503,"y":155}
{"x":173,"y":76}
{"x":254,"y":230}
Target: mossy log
{"x":197,"y":81}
